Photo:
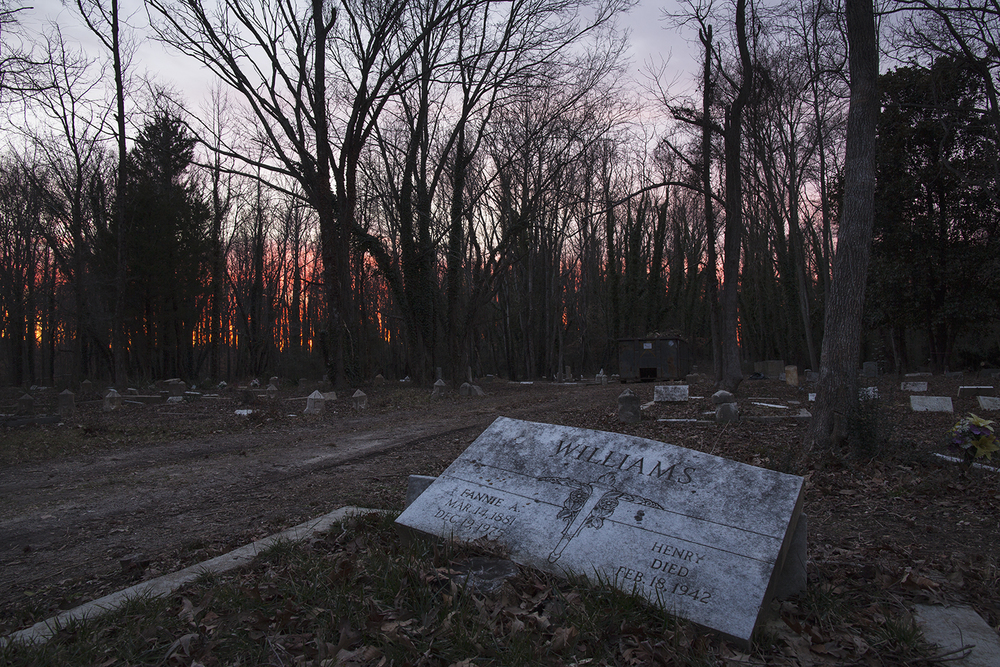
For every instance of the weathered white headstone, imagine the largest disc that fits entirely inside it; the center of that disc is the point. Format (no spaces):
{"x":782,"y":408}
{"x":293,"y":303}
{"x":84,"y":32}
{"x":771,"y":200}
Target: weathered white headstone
{"x":913,"y":386}
{"x":112,"y":401}
{"x":697,"y":534}
{"x":931,"y":404}
{"x":965,"y":392}
{"x":314,"y":404}
{"x":988,"y":403}
{"x":867,"y":393}
{"x":359,"y":400}
{"x":628,"y":407}
{"x":670,"y":393}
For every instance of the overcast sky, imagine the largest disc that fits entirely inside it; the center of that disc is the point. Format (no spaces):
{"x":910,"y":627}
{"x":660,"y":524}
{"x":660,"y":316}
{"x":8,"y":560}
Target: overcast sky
{"x":650,"y":42}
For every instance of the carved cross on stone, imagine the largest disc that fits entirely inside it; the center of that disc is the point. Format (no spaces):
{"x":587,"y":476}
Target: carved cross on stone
{"x":586,"y":508}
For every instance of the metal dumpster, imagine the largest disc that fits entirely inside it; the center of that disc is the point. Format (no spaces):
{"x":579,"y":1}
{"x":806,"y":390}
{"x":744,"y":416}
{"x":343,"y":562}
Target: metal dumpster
{"x":651,"y":359}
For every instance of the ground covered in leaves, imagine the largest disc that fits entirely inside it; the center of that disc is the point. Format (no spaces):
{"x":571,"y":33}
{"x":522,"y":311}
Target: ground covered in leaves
{"x":889,"y":524}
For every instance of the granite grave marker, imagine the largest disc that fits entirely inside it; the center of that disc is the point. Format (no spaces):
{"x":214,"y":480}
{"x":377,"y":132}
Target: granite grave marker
{"x":670,"y":393}
{"x":931,"y":404}
{"x":699,"y":535}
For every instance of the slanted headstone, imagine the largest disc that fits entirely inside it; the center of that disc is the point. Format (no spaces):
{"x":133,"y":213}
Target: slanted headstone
{"x":314,"y":404}
{"x":913,"y":386}
{"x":792,"y":376}
{"x":439,"y":388}
{"x":86,"y":388}
{"x":477,"y":390}
{"x":701,"y":536}
{"x":359,"y":400}
{"x":670,"y":393}
{"x":869,"y":369}
{"x":991,"y":403}
{"x":222,"y":385}
{"x":112,"y":401}
{"x":966,"y":392}
{"x":931,"y":404}
{"x":25,"y":405}
{"x":66,"y":403}
{"x":628,"y":407}
{"x":465,"y":389}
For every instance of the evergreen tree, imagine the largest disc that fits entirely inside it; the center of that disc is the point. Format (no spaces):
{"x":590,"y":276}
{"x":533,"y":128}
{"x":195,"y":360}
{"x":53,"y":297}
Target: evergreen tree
{"x":167,"y":250}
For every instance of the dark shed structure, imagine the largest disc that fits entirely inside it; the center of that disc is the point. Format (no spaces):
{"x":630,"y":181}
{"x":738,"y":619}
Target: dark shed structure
{"x":661,"y":358}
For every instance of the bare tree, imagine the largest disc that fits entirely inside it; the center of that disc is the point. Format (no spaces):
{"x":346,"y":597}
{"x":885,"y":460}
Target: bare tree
{"x":837,"y":393}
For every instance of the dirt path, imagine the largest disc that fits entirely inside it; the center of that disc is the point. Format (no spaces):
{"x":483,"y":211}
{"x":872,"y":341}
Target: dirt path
{"x":67,"y":525}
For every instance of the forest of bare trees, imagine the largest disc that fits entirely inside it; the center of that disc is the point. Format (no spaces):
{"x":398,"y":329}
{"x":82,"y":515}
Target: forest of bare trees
{"x":391,"y":187}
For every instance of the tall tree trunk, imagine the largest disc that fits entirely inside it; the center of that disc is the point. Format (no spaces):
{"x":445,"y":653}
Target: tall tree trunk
{"x":712,"y":273}
{"x":836,"y":394}
{"x":732,"y":374}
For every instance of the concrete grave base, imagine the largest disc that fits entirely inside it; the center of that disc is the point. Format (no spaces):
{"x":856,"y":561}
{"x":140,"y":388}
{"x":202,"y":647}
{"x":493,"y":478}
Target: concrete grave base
{"x":958,"y":628}
{"x":44,"y":630}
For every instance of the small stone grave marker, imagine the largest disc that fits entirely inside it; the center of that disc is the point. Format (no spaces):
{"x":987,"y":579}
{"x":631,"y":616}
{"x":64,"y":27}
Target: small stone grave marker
{"x":314,"y":404}
{"x":774,"y":368}
{"x":812,"y":377}
{"x":439,"y":388}
{"x":359,"y":400}
{"x":25,"y":405}
{"x":699,"y":535}
{"x":965,"y":392}
{"x":931,"y":404}
{"x":913,"y":386}
{"x":792,"y":376}
{"x":628,"y":407}
{"x":465,"y":389}
{"x":272,"y":390}
{"x":991,"y":403}
{"x":867,"y":393}
{"x":112,"y":401}
{"x":869,"y":369}
{"x":86,"y":388}
{"x":670,"y":393}
{"x":66,"y":403}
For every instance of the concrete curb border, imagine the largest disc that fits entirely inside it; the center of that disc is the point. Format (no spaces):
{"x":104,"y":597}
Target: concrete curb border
{"x":44,"y":630}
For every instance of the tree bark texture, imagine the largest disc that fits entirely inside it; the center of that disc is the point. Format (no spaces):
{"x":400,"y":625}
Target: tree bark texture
{"x":837,"y":392}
